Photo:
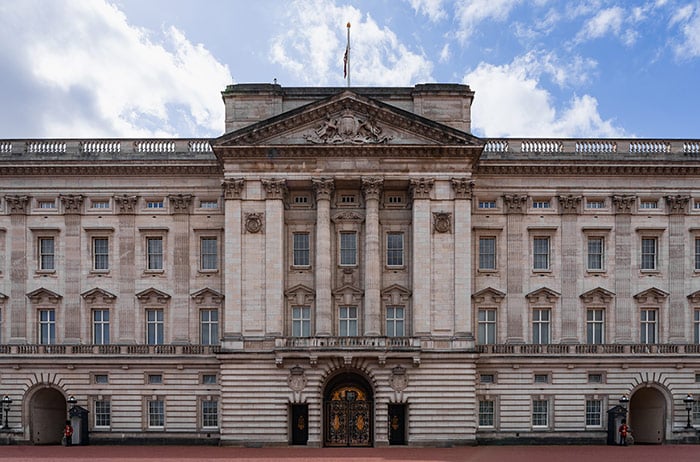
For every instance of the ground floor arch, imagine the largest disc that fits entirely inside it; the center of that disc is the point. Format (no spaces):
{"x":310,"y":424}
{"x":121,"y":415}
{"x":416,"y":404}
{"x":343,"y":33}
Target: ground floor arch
{"x":348,"y":411}
{"x":47,"y":415}
{"x":647,"y":415}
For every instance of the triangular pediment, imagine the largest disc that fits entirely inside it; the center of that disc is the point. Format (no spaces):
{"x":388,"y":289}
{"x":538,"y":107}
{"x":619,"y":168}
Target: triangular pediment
{"x":300,"y":294}
{"x":153,"y":295}
{"x":207,"y":296}
{"x":597,"y":295}
{"x":98,"y":295}
{"x":544,"y":295}
{"x":42,"y":295}
{"x":694,"y":297}
{"x":347,"y":119}
{"x":396,"y":294}
{"x":348,"y":295}
{"x":651,"y":295}
{"x":488,"y":295}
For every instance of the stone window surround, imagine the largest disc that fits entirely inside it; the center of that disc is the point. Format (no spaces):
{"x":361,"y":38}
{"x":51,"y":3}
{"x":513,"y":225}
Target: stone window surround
{"x":146,"y":415}
{"x":200,"y":412}
{"x":495,"y":399}
{"x":602,"y":232}
{"x":142,"y":256}
{"x":537,"y":232}
{"x":650,"y":233}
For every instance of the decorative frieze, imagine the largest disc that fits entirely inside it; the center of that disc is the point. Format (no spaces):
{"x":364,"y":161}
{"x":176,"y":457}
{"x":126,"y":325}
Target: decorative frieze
{"x":420,"y":188}
{"x":348,"y":216}
{"x":442,"y":222}
{"x":624,"y":204}
{"x":233,"y":188}
{"x":323,"y":187}
{"x":348,"y":128}
{"x":677,"y":204}
{"x":255,"y":222}
{"x":180,"y":203}
{"x":372,"y":187}
{"x":72,"y":203}
{"x":569,"y":204}
{"x":275,"y":188}
{"x":514,"y":203}
{"x":126,"y":204}
{"x":17,"y":204}
{"x":463,"y":187}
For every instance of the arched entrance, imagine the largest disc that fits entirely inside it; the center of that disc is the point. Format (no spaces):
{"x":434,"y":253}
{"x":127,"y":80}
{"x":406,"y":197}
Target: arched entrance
{"x":47,"y":416}
{"x":348,"y":411}
{"x":647,"y":417}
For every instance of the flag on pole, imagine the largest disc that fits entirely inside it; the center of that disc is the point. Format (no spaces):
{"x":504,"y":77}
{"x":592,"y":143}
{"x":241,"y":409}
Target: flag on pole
{"x":346,"y":59}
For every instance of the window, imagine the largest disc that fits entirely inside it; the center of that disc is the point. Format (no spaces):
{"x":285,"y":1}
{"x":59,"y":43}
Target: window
{"x":595,"y":204}
{"x":347,"y":199}
{"x":540,"y":253}
{"x":486,"y":327}
{"x":647,"y":328}
{"x":649,"y":251}
{"x":156,"y":204}
{"x":487,"y":378}
{"x":209,"y":253}
{"x":696,"y":326}
{"x":154,"y":327}
{"x":209,"y":379}
{"x":697,"y":254}
{"x":594,"y":413}
{"x":156,"y":413}
{"x":394,"y":200}
{"x":595,"y":326}
{"x":347,"y":321}
{"x":301,"y":321}
{"x":100,"y":253}
{"x":595,"y":378}
{"x":301,"y":200}
{"x":100,"y":327}
{"x":487,"y":253}
{"x":154,"y":253}
{"x":301,"y":249}
{"x":540,"y":414}
{"x":47,"y":327}
{"x":348,"y":248}
{"x":103,"y":413}
{"x":394,"y":249}
{"x":208,"y":204}
{"x":541,"y":378}
{"x":540,"y":326}
{"x":46,"y":204}
{"x":596,"y":246}
{"x":486,"y":412}
{"x":695,"y":413}
{"x":210,"y":413}
{"x":395,"y":321}
{"x":648,"y":204}
{"x":46,"y":254}
{"x":101,"y":379}
{"x":487,"y":204}
{"x":540,"y":204}
{"x":99,"y":204}
{"x":1,"y":327}
{"x":155,"y":379}
{"x":209,"y":327}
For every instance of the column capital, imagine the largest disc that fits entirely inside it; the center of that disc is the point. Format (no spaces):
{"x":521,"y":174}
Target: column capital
{"x":180,"y":203}
{"x":71,"y":203}
{"x":569,"y":204}
{"x":323,"y":187}
{"x":515,"y":203}
{"x":678,"y":204}
{"x":126,"y":203}
{"x":372,"y":187}
{"x":275,"y":188}
{"x":420,"y":187}
{"x":624,"y":204}
{"x":17,"y":205}
{"x":463,"y":187}
{"x":233,"y":187}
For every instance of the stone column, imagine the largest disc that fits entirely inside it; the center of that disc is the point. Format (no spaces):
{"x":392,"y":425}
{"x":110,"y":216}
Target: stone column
{"x":515,"y":273}
{"x":17,"y":208}
{"x":372,"y":187}
{"x":678,"y":317}
{"x":125,"y":309}
{"x":180,"y":205}
{"x":624,"y":240}
{"x":72,"y":205}
{"x":275,"y":192}
{"x":570,"y":251}
{"x":323,"y":187}
{"x":463,"y":189}
{"x":422,"y":255}
{"x":233,"y":268}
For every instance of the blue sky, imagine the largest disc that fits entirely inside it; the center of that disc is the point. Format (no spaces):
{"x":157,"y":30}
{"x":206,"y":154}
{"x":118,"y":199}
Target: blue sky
{"x":540,"y":68}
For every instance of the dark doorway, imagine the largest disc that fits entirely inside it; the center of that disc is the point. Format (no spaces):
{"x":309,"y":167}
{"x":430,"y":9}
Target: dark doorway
{"x":397,"y":424}
{"x":47,"y":416}
{"x":300,"y":424}
{"x":348,"y":412}
{"x":647,"y":417}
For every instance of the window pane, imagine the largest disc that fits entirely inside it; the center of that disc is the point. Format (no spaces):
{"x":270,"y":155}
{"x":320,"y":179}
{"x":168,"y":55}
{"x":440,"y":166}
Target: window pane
{"x":593,"y":412}
{"x":103,"y":410}
{"x":347,"y":321}
{"x":486,"y":327}
{"x":301,"y":321}
{"x":155,"y":253}
{"x":540,"y":326}
{"x":595,"y":326}
{"x":100,"y":327}
{"x":154,"y":327}
{"x":648,"y":253}
{"x":541,"y":253}
{"x":100,"y":253}
{"x":210,"y":413}
{"x":348,"y":248}
{"x":395,"y":321}
{"x":697,"y":254}
{"x":486,"y":413}
{"x":156,"y":413}
{"x":209,"y":327}
{"x":595,"y":253}
{"x":487,"y":253}
{"x":394,"y":249}
{"x":209,"y":253}
{"x":539,"y":413}
{"x":301,"y":249}
{"x":46,"y":253}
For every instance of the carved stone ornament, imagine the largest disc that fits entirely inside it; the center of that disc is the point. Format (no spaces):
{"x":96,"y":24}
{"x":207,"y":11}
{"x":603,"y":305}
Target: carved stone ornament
{"x":297,"y":379}
{"x":16,"y":204}
{"x":372,"y":187}
{"x":677,"y":204}
{"x":126,"y":204}
{"x":569,"y":204}
{"x":399,"y":379}
{"x":72,"y":203}
{"x":442,"y":222}
{"x":254,"y":222}
{"x":420,"y":188}
{"x":323,"y":187}
{"x":233,"y":188}
{"x":624,"y":204}
{"x":515,"y":203}
{"x":275,"y":188}
{"x":463,"y":188}
{"x":180,"y":203}
{"x":348,"y":128}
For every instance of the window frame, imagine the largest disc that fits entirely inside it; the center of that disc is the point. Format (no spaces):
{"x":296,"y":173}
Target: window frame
{"x":151,"y":255}
{"x":301,"y":255}
{"x":46,"y":336}
{"x":345,"y":251}
{"x":348,"y":315}
{"x":539,"y":412}
{"x":486,"y":413}
{"x":483,"y":254}
{"x":46,"y":260}
{"x":206,"y":413}
{"x":96,"y":403}
{"x":538,"y":323}
{"x":645,"y":324}
{"x":488,"y":325}
{"x":103,"y":253}
{"x":102,"y":326}
{"x":536,"y":266}
{"x":395,"y":256}
{"x":595,"y":323}
{"x":301,"y":319}
{"x":152,"y":413}
{"x":644,"y":265}
{"x":589,"y":412}
{"x":212,"y":258}
{"x":696,"y":325}
{"x":211,"y":327}
{"x":393,"y":320}
{"x":600,"y":255}
{"x":158,"y":326}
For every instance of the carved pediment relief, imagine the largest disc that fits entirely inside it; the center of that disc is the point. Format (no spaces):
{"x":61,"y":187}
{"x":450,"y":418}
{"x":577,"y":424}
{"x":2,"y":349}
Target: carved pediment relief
{"x":99,"y":296}
{"x":207,"y":296}
{"x":347,"y":128}
{"x":652,"y":295}
{"x":348,"y":216}
{"x":597,"y":295}
{"x":347,"y":295}
{"x":543,"y":295}
{"x":396,"y":295}
{"x":3,"y":297}
{"x":42,"y":295}
{"x":694,"y":297}
{"x":488,"y":295}
{"x":300,"y":295}
{"x":153,"y":296}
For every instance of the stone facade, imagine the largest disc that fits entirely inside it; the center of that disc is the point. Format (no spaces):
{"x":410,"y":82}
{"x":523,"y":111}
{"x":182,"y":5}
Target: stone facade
{"x":350,"y":267}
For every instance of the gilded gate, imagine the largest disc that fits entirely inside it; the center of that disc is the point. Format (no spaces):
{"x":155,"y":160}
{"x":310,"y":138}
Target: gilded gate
{"x":348,"y":417}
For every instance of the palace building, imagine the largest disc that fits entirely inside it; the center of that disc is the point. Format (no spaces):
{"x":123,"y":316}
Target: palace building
{"x":349,"y":267}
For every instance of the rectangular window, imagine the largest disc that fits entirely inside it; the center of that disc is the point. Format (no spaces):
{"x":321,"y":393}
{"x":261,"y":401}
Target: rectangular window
{"x":103,"y":413}
{"x":487,"y":253}
{"x":156,"y":413}
{"x":540,"y":415}
{"x":487,"y":204}
{"x":395,"y":321}
{"x":540,"y":204}
{"x":209,"y":327}
{"x":697,"y":254}
{"x":208,"y":204}
{"x":210,"y":413}
{"x":154,"y":327}
{"x":541,"y":378}
{"x":486,"y":327}
{"x":648,"y":326}
{"x":394,"y":200}
{"x":394,"y":249}
{"x":154,"y":253}
{"x":100,"y":327}
{"x":487,"y":378}
{"x":595,"y":204}
{"x":301,"y":321}
{"x":540,"y":253}
{"x":595,"y":378}
{"x":347,"y":321}
{"x":209,"y":379}
{"x":696,"y":326}
{"x":595,"y":326}
{"x":596,"y":246}
{"x":47,"y":327}
{"x":302,"y":249}
{"x":649,"y":204}
{"x":155,"y":204}
{"x":347,"y":199}
{"x":348,"y":249}
{"x":486,"y":413}
{"x":594,"y":413}
{"x":301,"y":200}
{"x":99,"y":204}
{"x":695,"y":415}
{"x":209,"y":253}
{"x":649,"y":253}
{"x":46,"y":254}
{"x":155,"y":379}
{"x":100,"y":253}
{"x":47,"y":204}
{"x":101,"y":378}
{"x":540,"y":326}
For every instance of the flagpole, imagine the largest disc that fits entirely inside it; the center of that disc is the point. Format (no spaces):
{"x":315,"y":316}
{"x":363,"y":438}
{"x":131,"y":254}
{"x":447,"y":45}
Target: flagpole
{"x":347,"y":56}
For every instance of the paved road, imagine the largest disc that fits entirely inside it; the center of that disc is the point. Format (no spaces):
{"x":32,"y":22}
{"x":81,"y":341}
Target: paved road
{"x":669,"y":453}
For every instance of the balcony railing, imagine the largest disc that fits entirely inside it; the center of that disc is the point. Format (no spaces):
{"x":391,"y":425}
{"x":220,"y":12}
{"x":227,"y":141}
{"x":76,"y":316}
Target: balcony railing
{"x":128,"y":350}
{"x":58,"y":147}
{"x":348,"y":342}
{"x":585,"y":349}
{"x":591,"y":146}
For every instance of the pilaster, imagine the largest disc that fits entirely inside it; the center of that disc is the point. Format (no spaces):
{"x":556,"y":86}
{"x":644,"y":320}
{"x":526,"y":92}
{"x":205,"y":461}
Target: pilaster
{"x":17,"y":208}
{"x":622,"y":316}
{"x":125,"y":309}
{"x":463,"y":190}
{"x":323,"y":188}
{"x":569,"y":207}
{"x":420,"y":189}
{"x":233,"y":308}
{"x":275,"y":192}
{"x":678,"y":316}
{"x":72,"y":206}
{"x":515,"y":306}
{"x":372,"y":188}
{"x":180,"y":207}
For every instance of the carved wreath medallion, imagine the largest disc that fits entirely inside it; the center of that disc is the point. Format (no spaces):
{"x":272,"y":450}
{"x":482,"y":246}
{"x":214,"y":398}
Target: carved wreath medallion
{"x":399,"y":379}
{"x":442,"y":222}
{"x":297,"y":379}
{"x":254,"y":222}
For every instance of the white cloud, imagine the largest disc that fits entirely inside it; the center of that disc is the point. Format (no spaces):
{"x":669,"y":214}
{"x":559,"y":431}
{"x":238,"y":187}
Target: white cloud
{"x":445,"y":53}
{"x":471,"y":13}
{"x":431,"y":8}
{"x":689,"y":20}
{"x":511,"y":102}
{"x":313,"y":45}
{"x":134,"y":82}
{"x":614,"y":21}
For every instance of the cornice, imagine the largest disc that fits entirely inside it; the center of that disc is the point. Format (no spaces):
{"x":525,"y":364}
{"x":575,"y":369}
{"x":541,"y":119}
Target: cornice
{"x":587,"y":169}
{"x":294,"y":151}
{"x":210,"y":168}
